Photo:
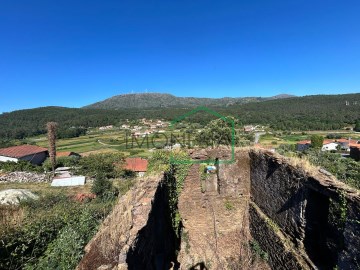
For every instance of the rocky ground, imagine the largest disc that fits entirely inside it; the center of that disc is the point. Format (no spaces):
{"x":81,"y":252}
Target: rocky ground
{"x":14,"y":196}
{"x":24,"y":177}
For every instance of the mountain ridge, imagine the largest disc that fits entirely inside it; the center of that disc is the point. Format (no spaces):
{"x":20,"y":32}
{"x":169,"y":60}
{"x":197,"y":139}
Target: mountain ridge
{"x":165,"y":100}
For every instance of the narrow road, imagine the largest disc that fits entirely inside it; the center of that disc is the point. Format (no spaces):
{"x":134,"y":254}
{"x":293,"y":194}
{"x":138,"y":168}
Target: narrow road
{"x":257,"y":136}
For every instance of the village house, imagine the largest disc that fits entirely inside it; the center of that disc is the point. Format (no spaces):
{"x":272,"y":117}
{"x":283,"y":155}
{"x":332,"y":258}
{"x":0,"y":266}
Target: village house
{"x":249,"y":128}
{"x":303,"y":145}
{"x":136,"y":164}
{"x":328,"y":144}
{"x":346,"y":143}
{"x":32,"y":153}
{"x":106,"y":127}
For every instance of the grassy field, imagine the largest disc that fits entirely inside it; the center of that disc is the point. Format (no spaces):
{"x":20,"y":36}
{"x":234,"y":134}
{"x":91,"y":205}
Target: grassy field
{"x":107,"y":141}
{"x":115,"y":141}
{"x":274,"y":140}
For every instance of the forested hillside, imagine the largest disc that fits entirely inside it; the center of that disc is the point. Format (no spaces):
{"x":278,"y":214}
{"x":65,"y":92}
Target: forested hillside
{"x":321,"y":112}
{"x":302,"y":113}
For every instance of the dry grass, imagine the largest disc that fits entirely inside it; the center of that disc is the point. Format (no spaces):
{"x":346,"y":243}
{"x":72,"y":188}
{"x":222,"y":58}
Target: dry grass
{"x":45,"y":188}
{"x":10,"y":216}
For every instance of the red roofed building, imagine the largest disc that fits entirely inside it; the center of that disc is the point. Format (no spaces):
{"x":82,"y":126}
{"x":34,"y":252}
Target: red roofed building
{"x":346,"y":143}
{"x":329,"y":144}
{"x":138,"y":165}
{"x":67,"y":154}
{"x":32,"y":153}
{"x":303,"y":145}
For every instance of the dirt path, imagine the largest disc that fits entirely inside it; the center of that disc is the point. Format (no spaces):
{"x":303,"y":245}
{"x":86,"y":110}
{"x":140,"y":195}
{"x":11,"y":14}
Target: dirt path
{"x":213,"y":223}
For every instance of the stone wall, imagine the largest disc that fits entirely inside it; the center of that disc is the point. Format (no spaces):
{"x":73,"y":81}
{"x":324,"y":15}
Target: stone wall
{"x":136,"y":235}
{"x":282,"y":254}
{"x":301,"y":205}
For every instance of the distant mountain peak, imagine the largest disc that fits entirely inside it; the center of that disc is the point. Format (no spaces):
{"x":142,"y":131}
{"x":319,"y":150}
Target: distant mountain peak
{"x":158,"y":100}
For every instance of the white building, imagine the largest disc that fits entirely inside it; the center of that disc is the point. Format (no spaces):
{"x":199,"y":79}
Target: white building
{"x":329,"y":146}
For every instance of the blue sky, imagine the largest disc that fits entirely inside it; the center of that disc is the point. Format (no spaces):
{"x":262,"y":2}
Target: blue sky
{"x":73,"y":53}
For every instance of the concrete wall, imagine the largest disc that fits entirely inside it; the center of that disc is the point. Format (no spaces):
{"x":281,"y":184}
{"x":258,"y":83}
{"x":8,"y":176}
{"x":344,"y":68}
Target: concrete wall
{"x":36,"y":159}
{"x":5,"y":159}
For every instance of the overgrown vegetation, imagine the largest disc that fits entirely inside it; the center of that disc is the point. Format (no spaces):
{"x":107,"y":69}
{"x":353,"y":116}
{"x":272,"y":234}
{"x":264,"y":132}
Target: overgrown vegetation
{"x":257,"y":252}
{"x":108,"y":165}
{"x":229,"y":205}
{"x":346,"y":170}
{"x":103,"y":188}
{"x":52,"y":234}
{"x":175,"y":174}
{"x":21,"y":165}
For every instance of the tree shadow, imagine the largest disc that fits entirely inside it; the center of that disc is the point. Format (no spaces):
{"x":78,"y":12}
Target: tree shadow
{"x":199,"y":266}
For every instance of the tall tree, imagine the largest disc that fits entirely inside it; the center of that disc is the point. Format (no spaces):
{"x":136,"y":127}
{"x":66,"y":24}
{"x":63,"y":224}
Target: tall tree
{"x":217,"y":132}
{"x":51,"y":132}
{"x":357,"y":126}
{"x":317,"y":141}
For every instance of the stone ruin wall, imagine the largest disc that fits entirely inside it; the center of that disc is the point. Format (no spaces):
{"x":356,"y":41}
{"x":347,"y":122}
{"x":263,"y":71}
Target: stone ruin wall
{"x":289,"y":216}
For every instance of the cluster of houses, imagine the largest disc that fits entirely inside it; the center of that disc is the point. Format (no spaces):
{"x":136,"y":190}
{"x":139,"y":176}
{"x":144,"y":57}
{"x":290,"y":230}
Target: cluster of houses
{"x":251,"y":128}
{"x":349,"y":145}
{"x":106,"y":127}
{"x":150,"y":126}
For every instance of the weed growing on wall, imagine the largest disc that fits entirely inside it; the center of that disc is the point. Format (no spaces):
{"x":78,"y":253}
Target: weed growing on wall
{"x":175,"y":175}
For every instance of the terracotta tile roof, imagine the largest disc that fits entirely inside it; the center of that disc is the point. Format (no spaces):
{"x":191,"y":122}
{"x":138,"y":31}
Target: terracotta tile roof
{"x":347,"y":141}
{"x":327,"y":141}
{"x":65,"y":154}
{"x":136,"y":164}
{"x":21,"y":151}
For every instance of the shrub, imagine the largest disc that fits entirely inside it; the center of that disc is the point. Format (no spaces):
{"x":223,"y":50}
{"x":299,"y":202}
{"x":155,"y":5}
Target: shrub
{"x":56,"y":234}
{"x":103,"y":188}
{"x":128,"y":174}
{"x":106,"y":164}
{"x":257,"y":252}
{"x":21,"y":165}
{"x":229,"y":206}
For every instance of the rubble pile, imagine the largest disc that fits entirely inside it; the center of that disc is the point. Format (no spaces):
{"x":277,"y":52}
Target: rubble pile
{"x":24,"y":177}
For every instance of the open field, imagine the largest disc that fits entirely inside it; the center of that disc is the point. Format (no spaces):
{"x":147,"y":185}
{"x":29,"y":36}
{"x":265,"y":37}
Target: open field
{"x":274,"y":139}
{"x":108,"y":141}
{"x":116,"y":141}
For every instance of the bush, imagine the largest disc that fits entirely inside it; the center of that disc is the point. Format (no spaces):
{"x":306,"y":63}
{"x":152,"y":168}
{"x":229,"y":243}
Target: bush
{"x":103,"y":188}
{"x":128,"y":174}
{"x":61,"y":162}
{"x":101,"y":164}
{"x":21,"y":165}
{"x":257,"y":252}
{"x":55,"y":229}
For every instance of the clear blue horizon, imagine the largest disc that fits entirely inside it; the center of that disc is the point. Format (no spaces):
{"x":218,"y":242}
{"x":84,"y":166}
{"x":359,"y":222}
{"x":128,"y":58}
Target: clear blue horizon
{"x":74,"y":53}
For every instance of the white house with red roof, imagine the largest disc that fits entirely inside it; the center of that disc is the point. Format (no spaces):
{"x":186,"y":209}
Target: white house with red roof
{"x":32,"y":153}
{"x":329,"y":144}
